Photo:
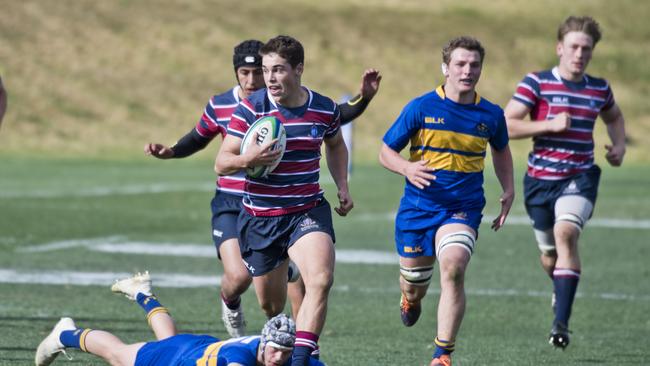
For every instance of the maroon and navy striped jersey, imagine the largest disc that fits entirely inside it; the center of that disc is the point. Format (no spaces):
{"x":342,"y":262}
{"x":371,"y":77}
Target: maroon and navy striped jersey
{"x":214,"y":121}
{"x":561,"y":155}
{"x":293,"y":185}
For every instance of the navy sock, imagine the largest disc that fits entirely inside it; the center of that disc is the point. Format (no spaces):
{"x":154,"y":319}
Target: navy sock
{"x":306,"y":343}
{"x":75,"y":338}
{"x":231,"y":304}
{"x":443,"y":347}
{"x":565,"y":283}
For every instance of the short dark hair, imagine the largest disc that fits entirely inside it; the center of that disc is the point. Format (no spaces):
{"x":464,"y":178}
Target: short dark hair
{"x":286,"y":47}
{"x":579,"y":24}
{"x":466,"y":42}
{"x":247,"y":53}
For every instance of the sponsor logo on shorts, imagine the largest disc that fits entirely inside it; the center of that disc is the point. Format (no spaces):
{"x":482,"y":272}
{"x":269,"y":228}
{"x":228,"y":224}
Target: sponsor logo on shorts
{"x":460,"y":215}
{"x":251,"y":269}
{"x":308,"y":224}
{"x":217,"y":233}
{"x":571,"y":188}
{"x":415,"y":249}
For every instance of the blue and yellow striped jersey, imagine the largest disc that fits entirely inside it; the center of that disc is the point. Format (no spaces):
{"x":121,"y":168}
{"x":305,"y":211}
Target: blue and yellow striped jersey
{"x":453,"y":139}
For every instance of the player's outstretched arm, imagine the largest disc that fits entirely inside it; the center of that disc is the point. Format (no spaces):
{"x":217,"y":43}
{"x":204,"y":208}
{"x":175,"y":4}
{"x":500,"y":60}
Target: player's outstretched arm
{"x":352,"y":109}
{"x":337,"y":162}
{"x":3,"y":101}
{"x":519,"y":127}
{"x":615,"y":122}
{"x":502,"y":161}
{"x":417,"y":172}
{"x":186,"y":146}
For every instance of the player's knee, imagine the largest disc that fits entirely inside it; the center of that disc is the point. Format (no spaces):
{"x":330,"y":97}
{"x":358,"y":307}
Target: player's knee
{"x":321,"y":281}
{"x":461,"y":239}
{"x":571,"y":218}
{"x":545,"y":242}
{"x":453,"y":272}
{"x":271,"y":308}
{"x":417,"y":276}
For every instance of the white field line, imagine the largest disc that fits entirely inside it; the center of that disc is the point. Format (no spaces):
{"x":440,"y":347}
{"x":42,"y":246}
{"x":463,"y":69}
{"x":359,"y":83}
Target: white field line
{"x":118,"y":244}
{"x":603,"y":222}
{"x":183,"y":280}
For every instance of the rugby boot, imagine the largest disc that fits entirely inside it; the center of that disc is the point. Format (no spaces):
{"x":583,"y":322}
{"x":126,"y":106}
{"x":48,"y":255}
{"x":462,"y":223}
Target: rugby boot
{"x":51,"y":346}
{"x":559,"y":337}
{"x":443,"y":360}
{"x":409,"y":311}
{"x":233,"y":320}
{"x":130,"y":287}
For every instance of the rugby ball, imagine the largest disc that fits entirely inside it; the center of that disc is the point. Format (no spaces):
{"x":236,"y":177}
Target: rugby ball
{"x":264,"y":129}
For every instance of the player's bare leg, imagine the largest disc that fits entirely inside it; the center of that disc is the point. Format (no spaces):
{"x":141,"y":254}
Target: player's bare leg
{"x":271,"y":290}
{"x":415,"y":276}
{"x":66,"y":334}
{"x":453,"y":258}
{"x":314,"y":255}
{"x":234,"y":283}
{"x":566,"y":276}
{"x":296,"y":293}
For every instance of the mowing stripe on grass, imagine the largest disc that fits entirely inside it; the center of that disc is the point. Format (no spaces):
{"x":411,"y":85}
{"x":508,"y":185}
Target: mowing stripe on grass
{"x":183,"y":280}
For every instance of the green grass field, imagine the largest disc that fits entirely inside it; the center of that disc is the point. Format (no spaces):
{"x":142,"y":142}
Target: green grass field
{"x":63,"y":222}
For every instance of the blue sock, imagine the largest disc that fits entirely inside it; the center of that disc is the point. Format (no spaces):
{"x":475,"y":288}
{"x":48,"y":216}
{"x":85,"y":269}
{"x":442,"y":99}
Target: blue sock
{"x":565,"y":283}
{"x":443,"y":347}
{"x":150,"y":304}
{"x":75,"y":338}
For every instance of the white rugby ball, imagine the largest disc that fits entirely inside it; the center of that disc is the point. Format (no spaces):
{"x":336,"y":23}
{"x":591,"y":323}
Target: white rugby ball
{"x":268,"y":128}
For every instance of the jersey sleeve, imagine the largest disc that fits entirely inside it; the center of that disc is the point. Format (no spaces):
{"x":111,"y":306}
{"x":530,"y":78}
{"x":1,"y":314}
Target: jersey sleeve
{"x":241,"y":119}
{"x":528,"y":91}
{"x":334,"y":127}
{"x":499,"y":139}
{"x":406,"y":125}
{"x":208,"y":126}
{"x":609,"y":100}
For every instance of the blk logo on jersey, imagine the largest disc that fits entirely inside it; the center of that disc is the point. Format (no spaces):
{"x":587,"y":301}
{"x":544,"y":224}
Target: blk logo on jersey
{"x":217,"y":233}
{"x":434,"y":120}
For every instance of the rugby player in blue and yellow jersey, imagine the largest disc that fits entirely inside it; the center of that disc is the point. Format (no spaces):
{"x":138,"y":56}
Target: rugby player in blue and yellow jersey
{"x":449,"y":130}
{"x":272,"y":348}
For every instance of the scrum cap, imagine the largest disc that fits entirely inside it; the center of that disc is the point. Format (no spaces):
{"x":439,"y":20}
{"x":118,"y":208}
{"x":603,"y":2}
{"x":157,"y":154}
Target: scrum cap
{"x":279,"y":332}
{"x":247,"y":54}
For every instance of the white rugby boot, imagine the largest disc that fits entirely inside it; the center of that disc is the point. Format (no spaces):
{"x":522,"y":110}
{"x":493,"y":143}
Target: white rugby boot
{"x":130,"y":287}
{"x":51,"y":346}
{"x":233,"y":320}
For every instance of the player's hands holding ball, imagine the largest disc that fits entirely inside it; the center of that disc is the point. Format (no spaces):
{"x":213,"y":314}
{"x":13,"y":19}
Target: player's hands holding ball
{"x":261,"y":155}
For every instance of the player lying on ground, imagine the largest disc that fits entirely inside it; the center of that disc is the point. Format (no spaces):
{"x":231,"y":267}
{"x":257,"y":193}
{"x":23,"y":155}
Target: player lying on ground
{"x":272,"y":348}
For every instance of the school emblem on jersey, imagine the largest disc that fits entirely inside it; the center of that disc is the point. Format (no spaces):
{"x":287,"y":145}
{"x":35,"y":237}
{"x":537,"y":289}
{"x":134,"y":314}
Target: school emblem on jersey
{"x":460,"y":215}
{"x":483,"y":129}
{"x":314,"y":131}
{"x":308,"y":224}
{"x":434,"y":120}
{"x":571,"y":188}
